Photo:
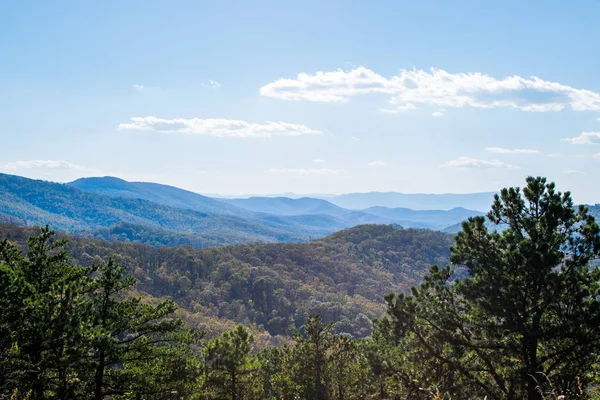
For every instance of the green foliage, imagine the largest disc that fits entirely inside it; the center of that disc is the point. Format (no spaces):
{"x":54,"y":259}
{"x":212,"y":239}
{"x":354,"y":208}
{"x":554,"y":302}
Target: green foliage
{"x":276,"y":287}
{"x":518,"y":318}
{"x":526,"y":320}
{"x":228,"y":366}
{"x":67,"y":331}
{"x":33,"y":202}
{"x":159,"y":215}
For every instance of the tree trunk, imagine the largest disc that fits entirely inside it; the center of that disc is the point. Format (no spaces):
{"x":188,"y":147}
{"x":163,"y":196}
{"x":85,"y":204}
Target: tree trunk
{"x":234,"y":395}
{"x":99,"y":377}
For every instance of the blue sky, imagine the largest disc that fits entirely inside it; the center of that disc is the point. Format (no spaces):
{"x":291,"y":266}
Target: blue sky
{"x":239,"y":97}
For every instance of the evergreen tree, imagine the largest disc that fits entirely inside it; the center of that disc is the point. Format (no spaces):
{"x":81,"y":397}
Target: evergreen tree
{"x":69,"y":334}
{"x":526,"y":320}
{"x":348,"y":369}
{"x":45,"y":318}
{"x":312,"y":359}
{"x":228,"y":364}
{"x":134,"y":345}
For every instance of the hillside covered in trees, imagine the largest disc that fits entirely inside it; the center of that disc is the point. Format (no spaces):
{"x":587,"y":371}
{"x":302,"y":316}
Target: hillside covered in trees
{"x":275,"y":287}
{"x":522,"y":321}
{"x":160,"y":215}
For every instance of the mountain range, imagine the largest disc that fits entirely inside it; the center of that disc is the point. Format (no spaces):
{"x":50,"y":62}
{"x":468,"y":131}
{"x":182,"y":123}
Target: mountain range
{"x":417,"y":201}
{"x":115,"y":209}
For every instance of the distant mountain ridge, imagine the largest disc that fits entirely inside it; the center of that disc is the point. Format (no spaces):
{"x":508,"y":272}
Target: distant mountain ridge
{"x":304,"y":210}
{"x":288,"y":206}
{"x":418,"y":201}
{"x":144,"y":212}
{"x":155,"y":192}
{"x":69,"y":209}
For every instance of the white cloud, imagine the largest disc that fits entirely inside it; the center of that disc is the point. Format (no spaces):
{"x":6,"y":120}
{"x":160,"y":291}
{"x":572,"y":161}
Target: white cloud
{"x":437,"y":114}
{"x":48,"y":164}
{"x":434,"y":87}
{"x":500,"y":150}
{"x":559,"y":155}
{"x":584,"y":138}
{"x":318,"y":160}
{"x":55,"y":170}
{"x":354,"y":139}
{"x":211,"y":84}
{"x":217,"y":127}
{"x":301,"y":171}
{"x":597,"y":155}
{"x":138,"y":87}
{"x":573,"y":172}
{"x":466,"y":162}
{"x":377,"y":164}
{"x":405,"y":107}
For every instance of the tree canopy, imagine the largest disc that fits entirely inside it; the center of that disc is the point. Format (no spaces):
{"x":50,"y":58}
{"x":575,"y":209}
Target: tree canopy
{"x":526,"y":319}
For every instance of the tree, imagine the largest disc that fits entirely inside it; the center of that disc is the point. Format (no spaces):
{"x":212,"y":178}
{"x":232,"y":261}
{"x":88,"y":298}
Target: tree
{"x":526,"y":319}
{"x":348,"y":369}
{"x":227,"y":363}
{"x":311,"y":359}
{"x":44,"y":318}
{"x":69,"y":332}
{"x":133,"y":345}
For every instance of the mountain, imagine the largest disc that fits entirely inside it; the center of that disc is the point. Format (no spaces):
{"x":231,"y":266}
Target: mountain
{"x":157,"y":193}
{"x":432,"y":219}
{"x":288,"y":206}
{"x":311,"y":213}
{"x":360,"y":201}
{"x":143,"y":212}
{"x":35,"y":202}
{"x":274,"y":286}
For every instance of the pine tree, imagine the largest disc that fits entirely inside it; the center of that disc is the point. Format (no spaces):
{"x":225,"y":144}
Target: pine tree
{"x":45,"y":317}
{"x":133,"y":344}
{"x":526,"y":320}
{"x":228,"y":364}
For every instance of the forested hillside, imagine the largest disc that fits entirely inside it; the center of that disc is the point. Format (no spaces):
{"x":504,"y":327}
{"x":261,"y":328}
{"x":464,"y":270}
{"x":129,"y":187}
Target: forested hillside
{"x":65,"y":208}
{"x":143,"y":212}
{"x":157,"y":193}
{"x":275,"y":287}
{"x":111,"y":320}
{"x":287,"y":206}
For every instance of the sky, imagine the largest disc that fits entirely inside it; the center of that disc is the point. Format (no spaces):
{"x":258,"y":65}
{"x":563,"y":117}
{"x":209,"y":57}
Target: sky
{"x":265,"y":96}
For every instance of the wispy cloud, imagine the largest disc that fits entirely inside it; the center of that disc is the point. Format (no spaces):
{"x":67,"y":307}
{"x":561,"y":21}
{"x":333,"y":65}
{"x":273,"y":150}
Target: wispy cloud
{"x":55,"y":170}
{"x":597,"y":155}
{"x":217,"y":127}
{"x":560,"y":155}
{"x":211,"y":84}
{"x":573,"y":172}
{"x":46,"y":164}
{"x":434,"y":87}
{"x":500,"y":150}
{"x":405,"y":107}
{"x":318,"y":160}
{"x":584,"y":138}
{"x":377,"y":164}
{"x":307,"y":171}
{"x":138,"y":87}
{"x":467,"y":162}
{"x":437,"y":114}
